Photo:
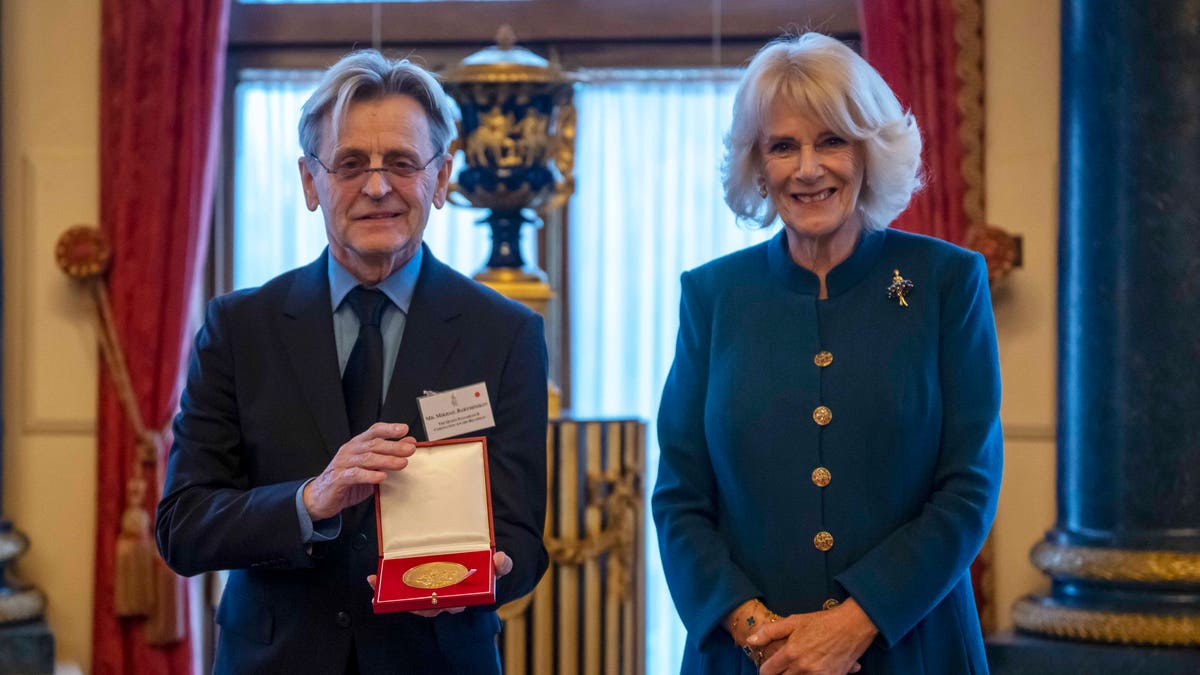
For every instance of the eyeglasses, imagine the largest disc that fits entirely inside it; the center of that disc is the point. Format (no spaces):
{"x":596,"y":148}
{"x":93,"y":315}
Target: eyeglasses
{"x":354,"y":168}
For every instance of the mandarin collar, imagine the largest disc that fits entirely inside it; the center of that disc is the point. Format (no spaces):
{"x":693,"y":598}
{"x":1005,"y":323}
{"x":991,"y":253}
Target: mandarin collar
{"x":840,"y":279}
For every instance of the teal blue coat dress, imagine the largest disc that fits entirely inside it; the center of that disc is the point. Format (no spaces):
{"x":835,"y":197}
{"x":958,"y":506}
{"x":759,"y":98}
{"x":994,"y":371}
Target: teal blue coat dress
{"x":911,"y":442}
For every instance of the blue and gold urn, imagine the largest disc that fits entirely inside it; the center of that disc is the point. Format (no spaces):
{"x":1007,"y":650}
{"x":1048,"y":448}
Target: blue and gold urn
{"x":517,"y":135}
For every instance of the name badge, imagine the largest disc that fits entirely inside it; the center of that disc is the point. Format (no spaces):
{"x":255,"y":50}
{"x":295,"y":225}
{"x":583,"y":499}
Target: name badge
{"x":456,"y":412}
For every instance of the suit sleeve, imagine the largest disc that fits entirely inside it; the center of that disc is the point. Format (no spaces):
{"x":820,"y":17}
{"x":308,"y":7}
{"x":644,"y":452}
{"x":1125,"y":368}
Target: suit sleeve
{"x":210,"y":517}
{"x":900,"y":581}
{"x":517,"y":460}
{"x":704,"y":581}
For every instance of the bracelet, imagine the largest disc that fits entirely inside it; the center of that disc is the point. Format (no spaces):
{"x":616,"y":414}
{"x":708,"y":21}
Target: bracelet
{"x":751,"y":622}
{"x":755,"y":655}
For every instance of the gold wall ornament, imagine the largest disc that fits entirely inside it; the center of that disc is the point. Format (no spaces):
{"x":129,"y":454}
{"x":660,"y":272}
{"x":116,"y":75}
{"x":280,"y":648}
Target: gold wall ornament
{"x":1106,"y":564}
{"x":83,"y":252}
{"x":1167,"y":630}
{"x":1001,"y":250}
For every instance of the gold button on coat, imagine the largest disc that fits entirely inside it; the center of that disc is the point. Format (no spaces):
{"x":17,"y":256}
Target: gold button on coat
{"x":823,"y":359}
{"x":830,"y":603}
{"x":822,"y":415}
{"x":823,"y":541}
{"x":821,"y":476}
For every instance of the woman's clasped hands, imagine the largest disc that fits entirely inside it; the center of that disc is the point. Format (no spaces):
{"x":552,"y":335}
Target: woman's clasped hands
{"x":826,"y":642}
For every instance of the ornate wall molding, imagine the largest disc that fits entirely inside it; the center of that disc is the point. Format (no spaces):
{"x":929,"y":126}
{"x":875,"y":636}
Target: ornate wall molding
{"x":1001,"y":249}
{"x":968,"y":66}
{"x":56,"y":350}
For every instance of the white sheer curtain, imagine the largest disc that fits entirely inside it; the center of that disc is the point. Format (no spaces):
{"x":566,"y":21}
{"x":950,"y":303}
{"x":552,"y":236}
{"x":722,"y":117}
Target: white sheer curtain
{"x":648,"y":206}
{"x":272,"y":230}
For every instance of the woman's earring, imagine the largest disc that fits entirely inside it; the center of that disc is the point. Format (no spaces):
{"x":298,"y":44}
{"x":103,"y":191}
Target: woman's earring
{"x":762,"y":187}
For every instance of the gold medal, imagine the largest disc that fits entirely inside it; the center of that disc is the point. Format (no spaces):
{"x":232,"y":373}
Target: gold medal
{"x":435,"y":575}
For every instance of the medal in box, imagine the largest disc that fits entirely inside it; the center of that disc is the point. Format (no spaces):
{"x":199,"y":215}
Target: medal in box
{"x":435,"y":534}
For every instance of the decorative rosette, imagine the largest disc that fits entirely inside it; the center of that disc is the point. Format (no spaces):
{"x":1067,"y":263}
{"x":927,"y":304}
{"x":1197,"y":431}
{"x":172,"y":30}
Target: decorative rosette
{"x":83,"y":252}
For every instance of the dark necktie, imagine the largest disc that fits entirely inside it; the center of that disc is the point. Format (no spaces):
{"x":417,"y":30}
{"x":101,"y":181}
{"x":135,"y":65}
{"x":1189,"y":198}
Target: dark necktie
{"x":362,"y":381}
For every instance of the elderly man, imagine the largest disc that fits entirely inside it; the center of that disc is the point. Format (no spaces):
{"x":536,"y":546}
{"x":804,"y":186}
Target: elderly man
{"x":302,"y":396}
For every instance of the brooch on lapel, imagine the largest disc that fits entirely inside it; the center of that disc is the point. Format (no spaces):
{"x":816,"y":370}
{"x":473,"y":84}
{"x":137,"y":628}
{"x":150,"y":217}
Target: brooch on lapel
{"x":900,"y":288}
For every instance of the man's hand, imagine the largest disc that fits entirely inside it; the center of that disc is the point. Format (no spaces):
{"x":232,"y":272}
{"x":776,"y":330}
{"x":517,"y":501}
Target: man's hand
{"x":359,"y":465}
{"x":500,"y":561}
{"x":829,"y":641}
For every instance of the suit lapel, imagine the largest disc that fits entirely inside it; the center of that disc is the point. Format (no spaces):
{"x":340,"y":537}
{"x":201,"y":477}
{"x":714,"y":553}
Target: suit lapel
{"x":308,"y":340}
{"x":430,"y":338}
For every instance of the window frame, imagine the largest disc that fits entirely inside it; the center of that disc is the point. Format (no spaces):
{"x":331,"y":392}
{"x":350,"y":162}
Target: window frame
{"x":535,"y":21}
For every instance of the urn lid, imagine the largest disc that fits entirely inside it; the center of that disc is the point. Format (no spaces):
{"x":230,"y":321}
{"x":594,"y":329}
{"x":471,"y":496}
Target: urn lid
{"x":506,"y":62}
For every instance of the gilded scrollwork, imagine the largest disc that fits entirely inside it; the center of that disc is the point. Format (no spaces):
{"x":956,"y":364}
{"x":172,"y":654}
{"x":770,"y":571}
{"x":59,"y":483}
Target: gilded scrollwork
{"x":564,"y":140}
{"x":564,"y":156}
{"x":616,"y":494}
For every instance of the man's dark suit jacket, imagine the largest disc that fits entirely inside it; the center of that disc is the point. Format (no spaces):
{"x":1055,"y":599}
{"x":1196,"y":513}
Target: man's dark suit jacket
{"x":263,"y":412}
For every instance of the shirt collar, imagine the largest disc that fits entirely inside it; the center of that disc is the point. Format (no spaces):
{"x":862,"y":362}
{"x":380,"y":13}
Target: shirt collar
{"x":398,"y":287}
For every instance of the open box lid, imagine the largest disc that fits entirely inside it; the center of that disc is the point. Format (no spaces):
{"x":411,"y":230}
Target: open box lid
{"x":440,"y":503}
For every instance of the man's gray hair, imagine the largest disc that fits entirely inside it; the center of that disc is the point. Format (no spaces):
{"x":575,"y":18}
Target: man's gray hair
{"x":816,"y":75}
{"x":367,"y":75}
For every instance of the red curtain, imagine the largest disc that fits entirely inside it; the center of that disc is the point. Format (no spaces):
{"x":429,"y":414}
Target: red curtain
{"x":161,"y":77}
{"x":911,"y":43}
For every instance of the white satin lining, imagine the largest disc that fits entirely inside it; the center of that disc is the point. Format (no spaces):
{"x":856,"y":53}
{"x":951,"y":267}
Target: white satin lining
{"x":437,"y":504}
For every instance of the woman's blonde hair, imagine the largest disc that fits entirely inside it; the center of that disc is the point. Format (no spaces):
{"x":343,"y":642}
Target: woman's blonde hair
{"x":819,"y":76}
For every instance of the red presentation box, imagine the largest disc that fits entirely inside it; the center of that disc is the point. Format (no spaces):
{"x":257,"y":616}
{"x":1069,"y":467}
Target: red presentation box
{"x":437,"y":510}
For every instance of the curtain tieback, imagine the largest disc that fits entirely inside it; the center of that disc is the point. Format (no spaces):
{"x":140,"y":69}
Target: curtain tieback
{"x":144,"y":587}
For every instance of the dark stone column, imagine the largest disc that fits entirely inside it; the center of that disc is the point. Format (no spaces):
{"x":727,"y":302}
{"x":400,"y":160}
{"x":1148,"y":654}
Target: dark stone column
{"x":1124,"y":556}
